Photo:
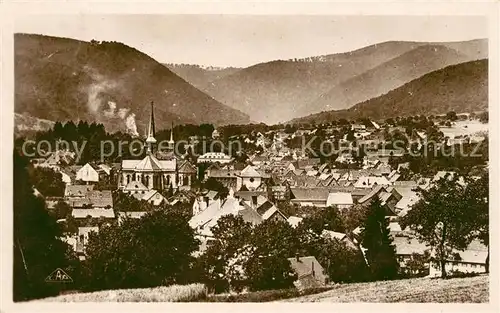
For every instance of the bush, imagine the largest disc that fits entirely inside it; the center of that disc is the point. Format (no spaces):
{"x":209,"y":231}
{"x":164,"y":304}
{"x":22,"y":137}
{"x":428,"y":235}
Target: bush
{"x":152,"y":251}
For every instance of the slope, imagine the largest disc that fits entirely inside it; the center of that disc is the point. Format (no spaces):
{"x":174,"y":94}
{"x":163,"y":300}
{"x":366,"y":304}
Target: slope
{"x":280,"y":90}
{"x":462,"y":87}
{"x":417,"y":290}
{"x":385,"y":77}
{"x":107,"y":82}
{"x":199,"y":76}
{"x":273,"y":91}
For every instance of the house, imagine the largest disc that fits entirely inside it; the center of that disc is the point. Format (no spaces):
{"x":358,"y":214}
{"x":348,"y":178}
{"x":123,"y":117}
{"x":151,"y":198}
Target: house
{"x":182,"y":196}
{"x":249,"y":177}
{"x":122,"y":216}
{"x":77,"y":191}
{"x":358,"y":127}
{"x":472,"y":260}
{"x":135,"y":188}
{"x":406,"y":246}
{"x":100,"y":199}
{"x":93,"y":213}
{"x":154,"y":197}
{"x":260,"y":160}
{"x":279,"y":193}
{"x":203,"y":220}
{"x":58,"y":159}
{"x":345,"y":157}
{"x":371,"y":181}
{"x":342,"y":200}
{"x":80,"y":242}
{"x":387,"y":199}
{"x":340,"y":237}
{"x":266,"y":209}
{"x":66,"y":176}
{"x":229,"y":178}
{"x":310,"y":273}
{"x":214,"y":157}
{"x":309,"y":196}
{"x":294,"y":221}
{"x":187,"y":175}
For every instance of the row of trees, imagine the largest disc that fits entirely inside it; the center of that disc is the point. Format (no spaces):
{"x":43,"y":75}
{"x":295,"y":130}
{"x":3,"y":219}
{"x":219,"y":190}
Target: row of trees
{"x":37,"y":249}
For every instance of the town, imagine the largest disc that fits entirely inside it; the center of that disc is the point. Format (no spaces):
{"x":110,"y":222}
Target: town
{"x":273,"y":214}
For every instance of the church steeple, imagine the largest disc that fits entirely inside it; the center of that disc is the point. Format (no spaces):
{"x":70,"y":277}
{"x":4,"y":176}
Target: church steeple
{"x":171,"y":142}
{"x":151,"y":130}
{"x":150,"y":140}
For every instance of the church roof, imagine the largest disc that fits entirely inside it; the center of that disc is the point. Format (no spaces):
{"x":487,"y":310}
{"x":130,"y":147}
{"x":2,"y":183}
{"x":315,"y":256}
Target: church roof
{"x":149,"y":163}
{"x":187,"y":167}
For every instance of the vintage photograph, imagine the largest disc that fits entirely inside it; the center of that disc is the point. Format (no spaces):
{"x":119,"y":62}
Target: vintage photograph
{"x":251,"y":158}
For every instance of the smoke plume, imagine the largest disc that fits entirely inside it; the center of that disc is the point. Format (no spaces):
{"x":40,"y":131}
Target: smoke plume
{"x":111,"y":110}
{"x":131,"y":126}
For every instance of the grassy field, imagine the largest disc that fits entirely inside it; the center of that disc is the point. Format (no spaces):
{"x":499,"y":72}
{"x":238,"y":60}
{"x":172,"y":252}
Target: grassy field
{"x":472,"y":290}
{"x":175,"y":293}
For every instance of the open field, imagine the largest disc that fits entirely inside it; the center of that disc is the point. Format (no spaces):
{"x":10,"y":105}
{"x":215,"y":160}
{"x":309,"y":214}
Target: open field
{"x":175,"y":293}
{"x":461,"y":128}
{"x":472,"y":290}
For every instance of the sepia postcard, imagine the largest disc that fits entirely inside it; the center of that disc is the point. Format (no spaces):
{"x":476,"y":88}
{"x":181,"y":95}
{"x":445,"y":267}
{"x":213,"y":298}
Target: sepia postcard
{"x":186,"y":156}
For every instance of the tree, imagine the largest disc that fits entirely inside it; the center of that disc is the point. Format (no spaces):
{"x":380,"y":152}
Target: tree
{"x":266,"y":272}
{"x":325,"y":219}
{"x":483,"y":117}
{"x":230,"y":252}
{"x":375,"y":237}
{"x":444,"y":218}
{"x":268,"y":267}
{"x":451,"y":116}
{"x":343,"y":264}
{"x":477,"y":196}
{"x":48,"y":182}
{"x":38,"y":251}
{"x":418,"y":263}
{"x":62,"y":210}
{"x":152,"y":251}
{"x":214,"y":184}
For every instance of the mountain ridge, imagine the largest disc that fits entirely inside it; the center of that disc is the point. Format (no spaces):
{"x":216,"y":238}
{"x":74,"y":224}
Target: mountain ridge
{"x":460,"y":87}
{"x":290,"y":85}
{"x":109,"y":82}
{"x":388,"y":76}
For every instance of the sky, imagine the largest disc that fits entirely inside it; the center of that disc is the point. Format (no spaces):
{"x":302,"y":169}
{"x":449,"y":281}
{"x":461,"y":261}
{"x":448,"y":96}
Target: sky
{"x":244,"y":40}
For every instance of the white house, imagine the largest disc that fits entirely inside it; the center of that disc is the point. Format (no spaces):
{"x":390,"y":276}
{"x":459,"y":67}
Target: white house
{"x":214,"y":157}
{"x":154,"y":197}
{"x":87,"y":174}
{"x":472,"y":260}
{"x":249,"y":177}
{"x":124,"y":215}
{"x":342,"y":200}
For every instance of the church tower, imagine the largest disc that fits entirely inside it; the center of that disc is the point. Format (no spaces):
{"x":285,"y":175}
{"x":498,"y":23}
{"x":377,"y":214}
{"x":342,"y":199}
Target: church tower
{"x":150,"y":140}
{"x":171,"y":142}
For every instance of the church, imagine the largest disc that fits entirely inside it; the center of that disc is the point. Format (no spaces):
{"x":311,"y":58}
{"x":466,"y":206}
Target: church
{"x":159,"y":170}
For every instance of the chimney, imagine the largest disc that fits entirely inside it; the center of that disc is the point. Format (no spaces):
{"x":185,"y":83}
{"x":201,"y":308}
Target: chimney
{"x":297,"y":257}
